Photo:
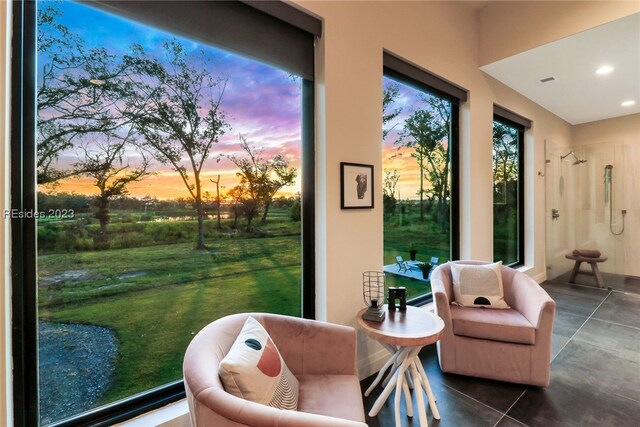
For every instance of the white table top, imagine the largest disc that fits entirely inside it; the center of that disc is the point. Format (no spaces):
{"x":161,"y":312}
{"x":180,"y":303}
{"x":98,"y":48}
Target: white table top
{"x":411,"y":328}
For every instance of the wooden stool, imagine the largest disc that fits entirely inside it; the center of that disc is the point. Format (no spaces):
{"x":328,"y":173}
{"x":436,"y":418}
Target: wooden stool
{"x":594,"y":268}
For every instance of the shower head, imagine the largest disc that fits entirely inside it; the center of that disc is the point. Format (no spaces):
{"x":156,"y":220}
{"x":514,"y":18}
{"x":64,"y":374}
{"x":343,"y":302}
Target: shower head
{"x":566,"y":155}
{"x":577,"y":160}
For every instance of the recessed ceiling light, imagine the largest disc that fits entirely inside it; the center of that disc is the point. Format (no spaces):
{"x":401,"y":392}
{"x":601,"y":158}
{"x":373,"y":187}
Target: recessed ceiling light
{"x":605,"y":69}
{"x":628,"y":103}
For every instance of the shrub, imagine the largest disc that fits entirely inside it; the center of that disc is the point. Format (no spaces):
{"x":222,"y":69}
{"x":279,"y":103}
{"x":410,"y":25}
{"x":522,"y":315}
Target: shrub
{"x":295,"y":212}
{"x":130,"y":240}
{"x":83,"y":244}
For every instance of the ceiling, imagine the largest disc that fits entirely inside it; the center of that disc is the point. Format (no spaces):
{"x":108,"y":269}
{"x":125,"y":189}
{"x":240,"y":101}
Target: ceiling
{"x":578,"y":94}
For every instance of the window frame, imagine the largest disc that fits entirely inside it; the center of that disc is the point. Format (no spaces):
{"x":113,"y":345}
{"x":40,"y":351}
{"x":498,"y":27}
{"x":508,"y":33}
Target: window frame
{"x":520,"y":126}
{"x":23,"y":196}
{"x":417,"y":81}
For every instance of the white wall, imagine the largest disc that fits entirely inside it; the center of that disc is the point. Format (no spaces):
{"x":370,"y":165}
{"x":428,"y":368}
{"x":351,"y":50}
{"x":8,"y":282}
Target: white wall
{"x":511,"y":27}
{"x":442,"y":38}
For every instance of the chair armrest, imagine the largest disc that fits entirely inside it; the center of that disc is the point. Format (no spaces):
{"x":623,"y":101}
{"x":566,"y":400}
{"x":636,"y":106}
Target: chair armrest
{"x":440,"y":298}
{"x":530,"y":300}
{"x":310,"y":347}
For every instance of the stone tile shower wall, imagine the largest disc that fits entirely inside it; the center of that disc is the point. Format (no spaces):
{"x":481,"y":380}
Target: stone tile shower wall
{"x":592,"y":225}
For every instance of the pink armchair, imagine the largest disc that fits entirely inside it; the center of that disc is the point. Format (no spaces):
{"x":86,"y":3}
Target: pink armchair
{"x":322,"y":356}
{"x":511,"y":345}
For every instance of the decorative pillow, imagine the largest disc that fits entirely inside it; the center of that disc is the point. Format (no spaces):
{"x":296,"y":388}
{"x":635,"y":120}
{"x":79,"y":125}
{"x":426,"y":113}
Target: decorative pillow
{"x":478,"y":285}
{"x":254,"y":370}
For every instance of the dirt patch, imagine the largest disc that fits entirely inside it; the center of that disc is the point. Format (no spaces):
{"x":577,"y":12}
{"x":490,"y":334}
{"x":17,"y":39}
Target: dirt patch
{"x":132,"y":275}
{"x":72,"y":276}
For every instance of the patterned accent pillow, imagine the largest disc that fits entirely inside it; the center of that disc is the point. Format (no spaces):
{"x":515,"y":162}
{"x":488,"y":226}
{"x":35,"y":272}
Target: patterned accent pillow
{"x":478,"y":285}
{"x":254,"y":370}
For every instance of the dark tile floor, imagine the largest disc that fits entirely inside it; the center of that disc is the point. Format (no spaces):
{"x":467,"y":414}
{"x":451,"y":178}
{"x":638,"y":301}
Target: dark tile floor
{"x":595,"y":372}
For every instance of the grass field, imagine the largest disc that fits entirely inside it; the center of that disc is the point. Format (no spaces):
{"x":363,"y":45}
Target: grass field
{"x":428,"y":240}
{"x":156,"y":297}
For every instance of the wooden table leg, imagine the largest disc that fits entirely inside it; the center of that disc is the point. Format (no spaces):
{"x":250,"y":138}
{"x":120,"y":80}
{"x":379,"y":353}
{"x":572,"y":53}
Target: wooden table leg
{"x":596,"y":274}
{"x":574,"y":272}
{"x":397,"y":376}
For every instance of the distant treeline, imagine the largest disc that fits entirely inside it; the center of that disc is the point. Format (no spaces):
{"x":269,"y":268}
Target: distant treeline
{"x":81,"y":203}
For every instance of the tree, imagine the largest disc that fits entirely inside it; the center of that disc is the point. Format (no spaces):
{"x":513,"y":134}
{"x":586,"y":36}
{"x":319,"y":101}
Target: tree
{"x":389,"y":183}
{"x":505,"y":167}
{"x":217,"y":200}
{"x":280,"y":176}
{"x":104,"y":162}
{"x":81,"y":92}
{"x":179,"y":114}
{"x":426,"y":131}
{"x":505,"y":153}
{"x":295,"y":211}
{"x":389,"y":95}
{"x":236,"y":195}
{"x":261,"y":179}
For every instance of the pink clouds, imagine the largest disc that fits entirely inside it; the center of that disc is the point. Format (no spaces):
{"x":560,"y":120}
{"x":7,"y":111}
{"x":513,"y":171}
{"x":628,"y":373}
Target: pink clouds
{"x":262,"y":103}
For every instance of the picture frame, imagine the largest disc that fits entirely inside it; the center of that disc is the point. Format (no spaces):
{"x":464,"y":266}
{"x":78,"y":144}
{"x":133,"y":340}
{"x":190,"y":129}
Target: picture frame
{"x":356,"y":186}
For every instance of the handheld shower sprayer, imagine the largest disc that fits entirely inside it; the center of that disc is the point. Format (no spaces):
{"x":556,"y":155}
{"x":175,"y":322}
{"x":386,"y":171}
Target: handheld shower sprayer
{"x":607,"y":182}
{"x":608,"y":198}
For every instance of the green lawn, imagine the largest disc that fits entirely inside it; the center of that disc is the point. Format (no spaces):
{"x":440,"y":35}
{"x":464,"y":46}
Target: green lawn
{"x":426,"y":237}
{"x":156,"y":298}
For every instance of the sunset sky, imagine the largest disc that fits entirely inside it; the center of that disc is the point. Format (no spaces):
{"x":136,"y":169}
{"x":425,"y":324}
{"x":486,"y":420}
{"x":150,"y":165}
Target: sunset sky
{"x":394,"y":155}
{"x":262,"y":103}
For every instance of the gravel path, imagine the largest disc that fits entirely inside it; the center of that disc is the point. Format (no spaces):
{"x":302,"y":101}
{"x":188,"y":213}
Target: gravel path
{"x":76,"y":368}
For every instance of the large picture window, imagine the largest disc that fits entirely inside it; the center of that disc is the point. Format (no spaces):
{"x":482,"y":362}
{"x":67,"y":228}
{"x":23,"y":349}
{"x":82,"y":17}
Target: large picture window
{"x":508,"y":191}
{"x":420,"y":145}
{"x":173,"y":177}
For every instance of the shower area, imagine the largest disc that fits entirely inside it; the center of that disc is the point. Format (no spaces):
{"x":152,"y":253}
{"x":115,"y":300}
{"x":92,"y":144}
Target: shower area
{"x":593,"y":202}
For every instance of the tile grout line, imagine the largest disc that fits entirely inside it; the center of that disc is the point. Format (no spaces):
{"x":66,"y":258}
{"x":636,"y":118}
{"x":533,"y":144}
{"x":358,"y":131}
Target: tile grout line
{"x":608,"y":288}
{"x":616,"y":323}
{"x":581,"y":326}
{"x":471,"y":397}
{"x":554,"y":358}
{"x":512,"y":405}
{"x":633,"y":294}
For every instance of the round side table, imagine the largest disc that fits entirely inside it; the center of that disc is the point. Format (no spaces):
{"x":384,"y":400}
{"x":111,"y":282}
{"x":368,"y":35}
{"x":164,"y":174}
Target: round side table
{"x":403,"y":334}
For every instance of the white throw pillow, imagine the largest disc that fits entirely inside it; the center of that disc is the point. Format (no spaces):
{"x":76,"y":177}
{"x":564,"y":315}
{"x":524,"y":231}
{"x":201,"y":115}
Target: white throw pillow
{"x":478,"y":285}
{"x":254,"y":370}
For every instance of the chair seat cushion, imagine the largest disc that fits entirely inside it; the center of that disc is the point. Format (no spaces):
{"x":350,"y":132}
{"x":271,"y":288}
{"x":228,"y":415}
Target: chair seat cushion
{"x":497,"y":325}
{"x":338,"y":396}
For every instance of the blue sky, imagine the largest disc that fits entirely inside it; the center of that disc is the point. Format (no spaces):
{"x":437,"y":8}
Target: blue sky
{"x":261,"y":102}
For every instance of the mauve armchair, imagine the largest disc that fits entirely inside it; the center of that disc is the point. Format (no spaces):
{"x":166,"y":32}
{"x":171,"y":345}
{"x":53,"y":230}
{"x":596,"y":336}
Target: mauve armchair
{"x":321,"y":355}
{"x":511,"y":345}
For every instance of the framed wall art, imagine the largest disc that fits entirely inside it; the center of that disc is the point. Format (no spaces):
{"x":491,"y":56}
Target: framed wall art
{"x":356,"y":186}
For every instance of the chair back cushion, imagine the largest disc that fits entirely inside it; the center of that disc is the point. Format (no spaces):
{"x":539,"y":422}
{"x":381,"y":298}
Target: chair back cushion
{"x":254,"y":370}
{"x":478,"y":285}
